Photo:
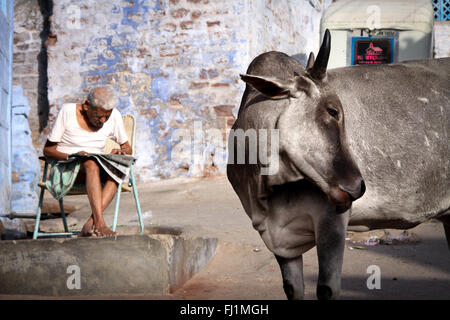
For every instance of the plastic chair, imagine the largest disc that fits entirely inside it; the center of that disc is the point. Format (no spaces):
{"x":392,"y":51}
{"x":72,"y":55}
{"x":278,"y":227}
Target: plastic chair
{"x":130,"y":127}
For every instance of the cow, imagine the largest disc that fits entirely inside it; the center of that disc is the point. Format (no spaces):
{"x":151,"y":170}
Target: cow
{"x":357,"y":146}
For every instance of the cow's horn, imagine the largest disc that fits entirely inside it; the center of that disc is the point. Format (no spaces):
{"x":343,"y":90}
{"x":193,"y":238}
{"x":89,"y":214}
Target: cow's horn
{"x":319,"y":70}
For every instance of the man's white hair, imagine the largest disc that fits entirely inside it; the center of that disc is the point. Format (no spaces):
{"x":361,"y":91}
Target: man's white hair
{"x":103,"y":97}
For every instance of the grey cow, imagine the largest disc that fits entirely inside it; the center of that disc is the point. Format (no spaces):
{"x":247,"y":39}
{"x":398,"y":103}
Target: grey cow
{"x":381,"y":131}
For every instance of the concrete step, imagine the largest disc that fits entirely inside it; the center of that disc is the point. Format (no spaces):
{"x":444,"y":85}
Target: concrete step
{"x":126,"y":264}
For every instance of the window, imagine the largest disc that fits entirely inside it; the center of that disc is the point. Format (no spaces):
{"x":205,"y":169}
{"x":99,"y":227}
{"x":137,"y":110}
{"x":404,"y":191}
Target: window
{"x":441,"y":10}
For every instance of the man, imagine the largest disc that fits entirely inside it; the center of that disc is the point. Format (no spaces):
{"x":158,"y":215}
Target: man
{"x":84,"y":128}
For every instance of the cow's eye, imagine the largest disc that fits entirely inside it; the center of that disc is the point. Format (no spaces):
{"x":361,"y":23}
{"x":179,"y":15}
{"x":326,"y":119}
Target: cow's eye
{"x":333,"y":112}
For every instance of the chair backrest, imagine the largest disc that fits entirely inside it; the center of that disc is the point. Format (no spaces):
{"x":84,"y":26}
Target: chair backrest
{"x":129,"y":123}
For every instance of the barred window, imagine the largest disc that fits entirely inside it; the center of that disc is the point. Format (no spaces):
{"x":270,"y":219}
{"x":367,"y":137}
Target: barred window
{"x":441,"y":10}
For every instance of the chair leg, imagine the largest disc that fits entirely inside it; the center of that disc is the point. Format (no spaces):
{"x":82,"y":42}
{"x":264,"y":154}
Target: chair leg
{"x":63,"y":215}
{"x":41,"y":201}
{"x":38,"y":214}
{"x":136,"y":198}
{"x":116,"y":212}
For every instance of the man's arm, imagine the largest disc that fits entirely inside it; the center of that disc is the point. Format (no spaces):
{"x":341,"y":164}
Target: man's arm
{"x":125,"y":148}
{"x":51,"y":152}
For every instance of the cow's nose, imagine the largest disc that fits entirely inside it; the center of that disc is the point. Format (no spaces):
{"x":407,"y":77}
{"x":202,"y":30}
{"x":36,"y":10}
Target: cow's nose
{"x":356,"y":193}
{"x":363,"y":189}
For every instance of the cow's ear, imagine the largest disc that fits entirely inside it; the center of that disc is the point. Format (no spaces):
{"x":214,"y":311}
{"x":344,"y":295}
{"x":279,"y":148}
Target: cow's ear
{"x":271,"y":87}
{"x":275,"y":88}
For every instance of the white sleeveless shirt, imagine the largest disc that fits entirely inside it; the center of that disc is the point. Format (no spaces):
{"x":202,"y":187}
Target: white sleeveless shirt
{"x":71,"y":138}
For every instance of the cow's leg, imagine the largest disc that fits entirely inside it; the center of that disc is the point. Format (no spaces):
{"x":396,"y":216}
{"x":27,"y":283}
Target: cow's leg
{"x":446,"y":222}
{"x":292,"y":272}
{"x":330,"y":240}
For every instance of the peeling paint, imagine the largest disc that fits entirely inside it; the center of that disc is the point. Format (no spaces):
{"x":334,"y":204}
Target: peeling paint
{"x":170,"y":64}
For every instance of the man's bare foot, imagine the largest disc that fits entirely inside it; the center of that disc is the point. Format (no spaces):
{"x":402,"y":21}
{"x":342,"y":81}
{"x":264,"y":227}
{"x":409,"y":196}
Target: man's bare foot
{"x":88,"y":229}
{"x":104,"y":231}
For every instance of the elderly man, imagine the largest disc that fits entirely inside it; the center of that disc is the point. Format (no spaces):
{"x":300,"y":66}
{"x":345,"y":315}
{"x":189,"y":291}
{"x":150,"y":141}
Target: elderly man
{"x":84,"y":128}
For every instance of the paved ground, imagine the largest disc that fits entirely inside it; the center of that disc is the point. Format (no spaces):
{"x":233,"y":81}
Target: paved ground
{"x":244,"y":269}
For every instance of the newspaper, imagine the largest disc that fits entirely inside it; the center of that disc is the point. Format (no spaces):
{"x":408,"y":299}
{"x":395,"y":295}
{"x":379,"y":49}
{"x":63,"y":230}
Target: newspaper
{"x":116,"y":165}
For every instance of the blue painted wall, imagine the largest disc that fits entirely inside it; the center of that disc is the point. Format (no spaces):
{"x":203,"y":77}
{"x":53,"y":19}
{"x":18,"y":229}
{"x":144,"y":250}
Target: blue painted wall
{"x":6,"y":32}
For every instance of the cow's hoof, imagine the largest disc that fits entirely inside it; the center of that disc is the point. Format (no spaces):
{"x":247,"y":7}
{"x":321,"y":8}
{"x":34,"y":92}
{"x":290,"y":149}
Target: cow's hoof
{"x":324,"y":292}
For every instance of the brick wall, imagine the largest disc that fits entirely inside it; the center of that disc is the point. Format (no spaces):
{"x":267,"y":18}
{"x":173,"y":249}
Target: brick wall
{"x":28,"y":24}
{"x":175,"y":65}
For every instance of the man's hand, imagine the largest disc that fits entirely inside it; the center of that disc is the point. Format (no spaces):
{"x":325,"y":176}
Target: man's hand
{"x":124,"y":149}
{"x":117,"y":151}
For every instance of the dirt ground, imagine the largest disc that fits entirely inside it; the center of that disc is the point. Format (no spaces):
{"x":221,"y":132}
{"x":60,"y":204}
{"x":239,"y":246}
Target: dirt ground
{"x":417,"y":267}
